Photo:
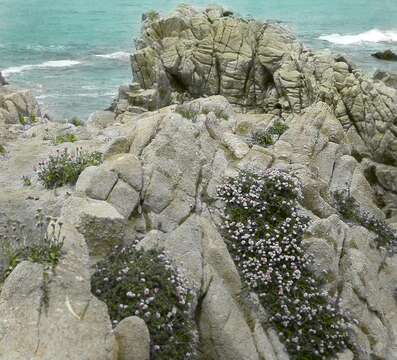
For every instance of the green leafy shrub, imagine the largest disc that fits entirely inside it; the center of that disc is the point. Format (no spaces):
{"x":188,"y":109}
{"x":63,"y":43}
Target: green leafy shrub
{"x":349,"y":208}
{"x":27,"y":120}
{"x":76,"y":121}
{"x":144,"y":284}
{"x":278,"y":128}
{"x":262,"y":137}
{"x":270,"y":135}
{"x":65,"y":167}
{"x":60,"y":139}
{"x":16,"y":248}
{"x":264,"y":232}
{"x":22,"y":119}
{"x":2,"y":150}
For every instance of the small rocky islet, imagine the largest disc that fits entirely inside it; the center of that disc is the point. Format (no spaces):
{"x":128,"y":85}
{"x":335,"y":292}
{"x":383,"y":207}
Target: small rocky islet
{"x":237,"y":202}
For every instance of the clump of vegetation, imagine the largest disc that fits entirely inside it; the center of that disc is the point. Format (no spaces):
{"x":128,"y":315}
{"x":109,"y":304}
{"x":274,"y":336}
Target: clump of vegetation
{"x":186,"y":112}
{"x":145,"y":284}
{"x":151,"y":15}
{"x":27,"y":120}
{"x":264,"y":233}
{"x":16,"y":248}
{"x":270,"y":135}
{"x":76,"y":121}
{"x":65,"y":167}
{"x":350,"y":209}
{"x":26,"y":180}
{"x":2,"y":150}
{"x":60,"y":139}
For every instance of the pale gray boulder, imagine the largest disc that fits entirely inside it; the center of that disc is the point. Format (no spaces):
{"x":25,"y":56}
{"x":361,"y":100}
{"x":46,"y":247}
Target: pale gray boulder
{"x":89,"y":185}
{"x":133,"y":339}
{"x":50,"y":315}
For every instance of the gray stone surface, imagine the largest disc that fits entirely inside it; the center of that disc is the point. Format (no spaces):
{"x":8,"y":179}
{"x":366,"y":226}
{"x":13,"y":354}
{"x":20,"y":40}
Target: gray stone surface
{"x":133,"y":339}
{"x":89,"y":185}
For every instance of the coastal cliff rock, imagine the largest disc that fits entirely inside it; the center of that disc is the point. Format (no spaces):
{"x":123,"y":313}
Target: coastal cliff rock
{"x":259,"y":67}
{"x":217,"y":95}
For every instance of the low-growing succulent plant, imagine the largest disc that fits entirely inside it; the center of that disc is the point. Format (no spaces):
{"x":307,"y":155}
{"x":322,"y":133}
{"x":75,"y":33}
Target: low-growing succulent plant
{"x":145,"y":284}
{"x":264,"y":231}
{"x":65,"y":167}
{"x":15,"y":244}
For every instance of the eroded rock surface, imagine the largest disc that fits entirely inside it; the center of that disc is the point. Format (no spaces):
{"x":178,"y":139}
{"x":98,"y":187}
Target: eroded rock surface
{"x":212,"y":81}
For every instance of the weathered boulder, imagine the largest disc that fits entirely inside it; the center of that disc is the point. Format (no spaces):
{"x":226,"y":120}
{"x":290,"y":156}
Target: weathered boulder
{"x":133,"y":339}
{"x":15,"y":103}
{"x":89,"y":185}
{"x":50,"y":315}
{"x":259,"y":67}
{"x":100,"y":119}
{"x":99,"y":222}
{"x":2,"y":80}
{"x":361,"y":276}
{"x":389,"y":79}
{"x":387,"y":55}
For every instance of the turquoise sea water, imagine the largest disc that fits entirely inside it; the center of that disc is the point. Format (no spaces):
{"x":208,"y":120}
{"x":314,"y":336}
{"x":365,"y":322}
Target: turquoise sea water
{"x":74,"y":53}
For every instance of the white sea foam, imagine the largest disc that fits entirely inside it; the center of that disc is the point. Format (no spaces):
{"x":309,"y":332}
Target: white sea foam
{"x":44,"y":65}
{"x":118,"y":55}
{"x":371,"y":36}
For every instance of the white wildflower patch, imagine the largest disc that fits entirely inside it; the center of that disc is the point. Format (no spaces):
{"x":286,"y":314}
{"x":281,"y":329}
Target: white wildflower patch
{"x":264,"y":230}
{"x":145,"y":284}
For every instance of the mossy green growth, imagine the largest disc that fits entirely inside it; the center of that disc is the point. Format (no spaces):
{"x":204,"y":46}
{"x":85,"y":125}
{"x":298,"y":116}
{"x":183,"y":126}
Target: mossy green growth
{"x":76,"y":121}
{"x":26,"y":180}
{"x":15,"y":246}
{"x":27,"y":120}
{"x":270,"y":135}
{"x":65,"y":167}
{"x":22,"y":119}
{"x":264,"y":233}
{"x":145,"y":284}
{"x":60,"y":139}
{"x":2,"y":150}
{"x":350,"y":209}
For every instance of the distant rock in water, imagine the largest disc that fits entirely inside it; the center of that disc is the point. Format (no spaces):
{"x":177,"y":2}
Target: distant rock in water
{"x":387,"y":55}
{"x":389,"y":79}
{"x":2,"y":80}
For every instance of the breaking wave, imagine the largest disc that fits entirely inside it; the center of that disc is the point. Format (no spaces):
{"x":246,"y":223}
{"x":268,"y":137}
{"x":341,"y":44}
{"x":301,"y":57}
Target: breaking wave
{"x":371,"y":36}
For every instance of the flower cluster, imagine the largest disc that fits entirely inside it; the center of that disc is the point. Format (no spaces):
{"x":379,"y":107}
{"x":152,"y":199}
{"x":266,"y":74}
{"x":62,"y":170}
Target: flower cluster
{"x":264,"y":232}
{"x":349,"y":208}
{"x":145,"y":284}
{"x":65,"y":167}
{"x":15,"y":246}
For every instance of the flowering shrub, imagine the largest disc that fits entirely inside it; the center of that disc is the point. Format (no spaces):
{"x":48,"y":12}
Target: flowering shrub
{"x":65,"y":168}
{"x":264,"y":233}
{"x":15,"y":247}
{"x":144,"y":283}
{"x":350,"y":210}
